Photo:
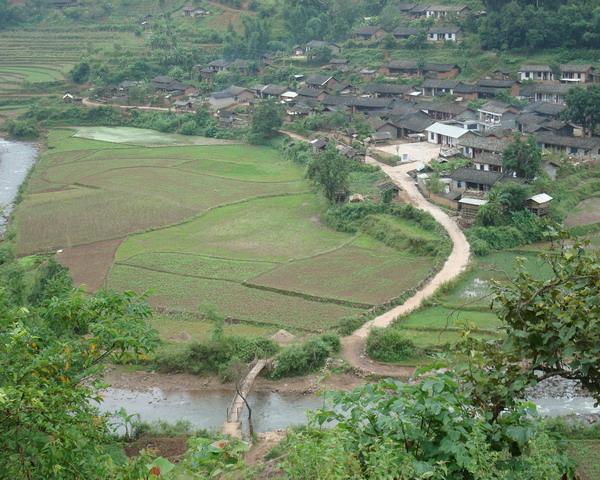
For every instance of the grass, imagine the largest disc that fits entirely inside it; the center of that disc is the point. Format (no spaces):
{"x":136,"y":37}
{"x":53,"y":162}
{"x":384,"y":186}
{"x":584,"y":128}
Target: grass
{"x":233,"y":226}
{"x":142,"y":137}
{"x":585,"y":454}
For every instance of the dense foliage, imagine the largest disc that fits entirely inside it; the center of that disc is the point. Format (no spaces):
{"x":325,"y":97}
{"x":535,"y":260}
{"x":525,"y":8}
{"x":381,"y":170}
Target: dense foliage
{"x":51,"y":355}
{"x":306,"y":357}
{"x":389,"y":345}
{"x":583,"y":108}
{"x":267,"y":118}
{"x":428,"y":430}
{"x":537,"y":25}
{"x":522,"y":157}
{"x":329,"y":170}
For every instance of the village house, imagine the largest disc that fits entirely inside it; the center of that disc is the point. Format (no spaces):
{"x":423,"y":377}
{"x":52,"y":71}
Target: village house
{"x":539,"y":204}
{"x":467,"y":178}
{"x":168,"y":85}
{"x":339,"y":64}
{"x":442,"y":111}
{"x":443,"y":11}
{"x":572,"y":146}
{"x":418,"y":11}
{"x":482,"y":147}
{"x":321,"y":82}
{"x":575,"y":73}
{"x":496,"y":114}
{"x":501,"y":73}
{"x":546,"y":92}
{"x":194,"y":12}
{"x":404,"y":33}
{"x":183,"y":106}
{"x":409,"y":68}
{"x":539,"y":116}
{"x":489,"y":88}
{"x":369,"y":33}
{"x":413,"y":125}
{"x":298,"y":110}
{"x":229,"y":97}
{"x":272,"y":91}
{"x":468,"y":208}
{"x":466,"y":91}
{"x":311,"y":96}
{"x":387,"y":90}
{"x":536,"y":73}
{"x":318,"y":145}
{"x":70,"y":98}
{"x":315,"y":44}
{"x":437,"y":88}
{"x":444,"y":33}
{"x":405,"y":8}
{"x":445,"y":134}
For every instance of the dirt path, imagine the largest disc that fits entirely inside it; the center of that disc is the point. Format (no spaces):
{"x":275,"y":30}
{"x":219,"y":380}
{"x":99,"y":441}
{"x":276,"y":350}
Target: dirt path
{"x":90,"y":103}
{"x":353,"y":346}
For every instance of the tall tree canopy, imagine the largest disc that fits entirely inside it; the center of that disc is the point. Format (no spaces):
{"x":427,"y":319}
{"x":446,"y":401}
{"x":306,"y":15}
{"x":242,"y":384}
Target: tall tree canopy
{"x":329,"y":170}
{"x":522,"y":157}
{"x":583,"y":107}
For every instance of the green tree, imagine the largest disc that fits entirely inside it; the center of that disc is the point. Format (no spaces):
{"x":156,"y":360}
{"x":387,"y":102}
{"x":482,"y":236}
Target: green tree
{"x":583,"y":108}
{"x":504,"y":200}
{"x":319,"y":56}
{"x":50,"y":360}
{"x":80,"y":72}
{"x":554,"y":324}
{"x":523,"y":157}
{"x":267,"y":118}
{"x":329,"y":170}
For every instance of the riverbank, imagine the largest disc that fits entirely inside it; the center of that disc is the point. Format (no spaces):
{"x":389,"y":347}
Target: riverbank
{"x":142,"y":381}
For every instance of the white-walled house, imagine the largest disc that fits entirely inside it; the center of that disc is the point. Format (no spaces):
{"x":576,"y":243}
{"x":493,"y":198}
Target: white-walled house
{"x":445,"y":134}
{"x":536,"y":73}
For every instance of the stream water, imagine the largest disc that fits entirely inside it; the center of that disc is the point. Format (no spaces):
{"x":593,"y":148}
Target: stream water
{"x":16,"y":158}
{"x":270,"y":410}
{"x":207,"y":409}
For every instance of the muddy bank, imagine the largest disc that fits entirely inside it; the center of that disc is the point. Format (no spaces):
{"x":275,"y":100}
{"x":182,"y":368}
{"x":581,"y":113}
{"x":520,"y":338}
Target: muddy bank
{"x":141,"y":381}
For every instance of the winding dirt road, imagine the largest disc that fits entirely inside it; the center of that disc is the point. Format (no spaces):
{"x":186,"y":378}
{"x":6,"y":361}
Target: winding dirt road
{"x":354,"y":345}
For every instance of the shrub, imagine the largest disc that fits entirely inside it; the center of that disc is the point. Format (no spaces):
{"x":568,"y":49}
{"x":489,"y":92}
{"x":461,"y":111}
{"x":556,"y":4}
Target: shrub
{"x":308,"y":357}
{"x":348,"y":325}
{"x":27,"y":129}
{"x":216,"y":354}
{"x":389,"y":345}
{"x":332,"y":340}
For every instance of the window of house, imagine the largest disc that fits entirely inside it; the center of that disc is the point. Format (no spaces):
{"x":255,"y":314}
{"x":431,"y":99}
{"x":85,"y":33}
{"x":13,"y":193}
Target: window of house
{"x":459,"y":184}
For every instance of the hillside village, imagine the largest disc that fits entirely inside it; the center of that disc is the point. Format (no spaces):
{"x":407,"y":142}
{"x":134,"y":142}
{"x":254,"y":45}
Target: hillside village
{"x":402,"y":101}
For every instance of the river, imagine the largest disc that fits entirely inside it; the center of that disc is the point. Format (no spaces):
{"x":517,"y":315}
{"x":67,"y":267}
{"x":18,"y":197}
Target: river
{"x":16,"y":158}
{"x":270,"y":410}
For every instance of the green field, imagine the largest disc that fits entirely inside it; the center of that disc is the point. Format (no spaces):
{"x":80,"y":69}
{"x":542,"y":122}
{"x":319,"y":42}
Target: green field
{"x":467,"y":303}
{"x":230,"y":226}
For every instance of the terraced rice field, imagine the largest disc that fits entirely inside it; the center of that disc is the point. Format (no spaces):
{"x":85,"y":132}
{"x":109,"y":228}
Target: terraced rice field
{"x":229,"y":226}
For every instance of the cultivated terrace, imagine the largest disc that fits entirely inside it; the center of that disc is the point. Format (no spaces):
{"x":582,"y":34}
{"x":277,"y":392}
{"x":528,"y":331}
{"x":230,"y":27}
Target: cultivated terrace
{"x":236,"y":205}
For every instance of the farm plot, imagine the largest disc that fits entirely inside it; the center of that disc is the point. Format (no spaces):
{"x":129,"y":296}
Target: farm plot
{"x":230,"y":226}
{"x":273,"y":255}
{"x":84,"y":196}
{"x":467,"y":304}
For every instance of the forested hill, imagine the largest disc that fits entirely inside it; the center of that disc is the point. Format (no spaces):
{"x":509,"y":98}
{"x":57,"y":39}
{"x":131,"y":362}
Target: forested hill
{"x":274,"y":24}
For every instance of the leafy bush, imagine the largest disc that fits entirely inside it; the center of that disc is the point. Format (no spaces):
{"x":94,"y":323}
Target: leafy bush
{"x":216,"y":354}
{"x":302,"y":359}
{"x":348,"y":325}
{"x":26,"y":129}
{"x":389,"y":345}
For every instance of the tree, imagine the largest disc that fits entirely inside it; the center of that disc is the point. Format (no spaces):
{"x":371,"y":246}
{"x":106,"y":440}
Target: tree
{"x":504,"y":200}
{"x":329,"y":170}
{"x":80,"y":73}
{"x":267,"y":118}
{"x":554,"y":324}
{"x":583,"y":108}
{"x":319,"y":56}
{"x":524,"y":158}
{"x":50,"y":359}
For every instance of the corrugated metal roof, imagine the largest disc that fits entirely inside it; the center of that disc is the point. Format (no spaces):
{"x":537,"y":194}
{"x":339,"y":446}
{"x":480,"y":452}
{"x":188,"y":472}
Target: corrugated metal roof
{"x":541,"y":198}
{"x":447,"y":130}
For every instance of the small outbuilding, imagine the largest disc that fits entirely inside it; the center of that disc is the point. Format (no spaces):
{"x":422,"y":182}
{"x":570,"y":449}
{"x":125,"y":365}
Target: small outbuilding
{"x":539,"y":204}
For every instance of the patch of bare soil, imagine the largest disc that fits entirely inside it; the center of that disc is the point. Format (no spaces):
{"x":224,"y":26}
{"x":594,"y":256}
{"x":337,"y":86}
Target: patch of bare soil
{"x":172,"y":448}
{"x":586,"y":213}
{"x":89,"y":264}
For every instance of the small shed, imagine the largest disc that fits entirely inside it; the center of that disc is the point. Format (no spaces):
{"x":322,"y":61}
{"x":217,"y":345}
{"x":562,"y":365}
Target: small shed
{"x":468,"y":208}
{"x":539,"y":204}
{"x":389,"y":190}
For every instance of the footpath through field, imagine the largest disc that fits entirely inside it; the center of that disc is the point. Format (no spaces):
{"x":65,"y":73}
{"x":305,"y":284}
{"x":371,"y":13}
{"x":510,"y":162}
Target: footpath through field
{"x":353,"y":346}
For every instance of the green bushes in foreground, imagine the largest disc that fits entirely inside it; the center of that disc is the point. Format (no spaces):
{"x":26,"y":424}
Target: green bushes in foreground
{"x":389,"y":345}
{"x":302,"y":359}
{"x":216,"y":355}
